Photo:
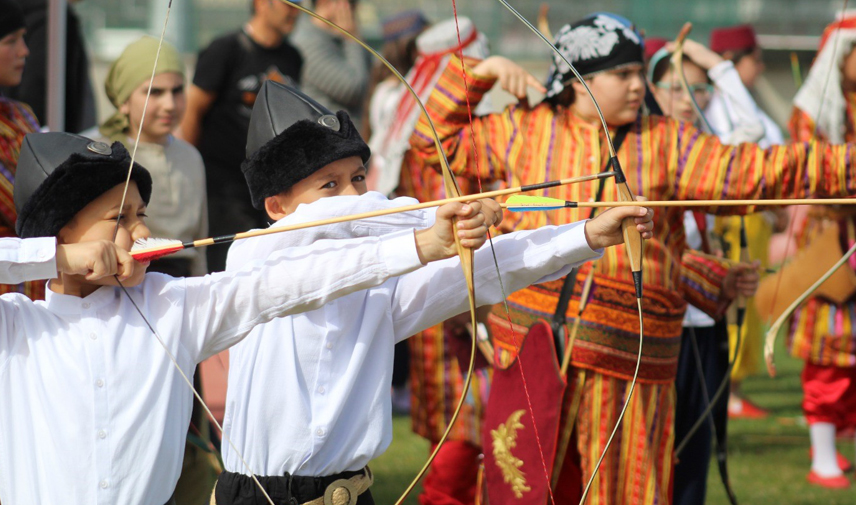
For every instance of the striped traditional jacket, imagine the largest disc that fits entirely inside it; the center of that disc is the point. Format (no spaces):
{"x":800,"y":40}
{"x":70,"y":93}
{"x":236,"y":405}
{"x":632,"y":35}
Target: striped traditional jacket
{"x":663,"y":159}
{"x":16,"y":120}
{"x":822,"y":332}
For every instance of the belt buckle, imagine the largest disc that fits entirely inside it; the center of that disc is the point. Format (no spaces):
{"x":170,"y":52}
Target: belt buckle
{"x":345,"y":484}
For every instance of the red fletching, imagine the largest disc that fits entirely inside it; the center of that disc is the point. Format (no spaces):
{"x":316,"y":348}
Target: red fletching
{"x":153,"y":254}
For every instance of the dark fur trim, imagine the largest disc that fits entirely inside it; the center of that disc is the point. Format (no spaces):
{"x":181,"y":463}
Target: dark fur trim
{"x":72,"y":186}
{"x":301,"y":150}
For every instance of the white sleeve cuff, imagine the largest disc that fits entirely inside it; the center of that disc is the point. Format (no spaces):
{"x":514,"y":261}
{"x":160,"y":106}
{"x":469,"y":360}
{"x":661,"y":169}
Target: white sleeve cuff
{"x":574,"y":248}
{"x":398,"y":252}
{"x":40,"y":254}
{"x":575,"y":244}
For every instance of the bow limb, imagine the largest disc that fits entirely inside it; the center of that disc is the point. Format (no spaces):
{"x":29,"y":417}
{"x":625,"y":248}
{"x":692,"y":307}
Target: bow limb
{"x":151,"y":327}
{"x":773,"y":332}
{"x":466,"y":255}
{"x":632,"y":238}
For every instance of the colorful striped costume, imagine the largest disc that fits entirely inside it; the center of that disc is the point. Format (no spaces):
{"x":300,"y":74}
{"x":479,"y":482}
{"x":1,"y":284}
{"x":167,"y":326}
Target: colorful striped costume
{"x":663,"y":160}
{"x":16,"y":120}
{"x":821,"y":332}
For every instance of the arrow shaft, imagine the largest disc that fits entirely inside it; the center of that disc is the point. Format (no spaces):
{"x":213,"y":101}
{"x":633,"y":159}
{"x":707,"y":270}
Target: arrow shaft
{"x":700,"y":203}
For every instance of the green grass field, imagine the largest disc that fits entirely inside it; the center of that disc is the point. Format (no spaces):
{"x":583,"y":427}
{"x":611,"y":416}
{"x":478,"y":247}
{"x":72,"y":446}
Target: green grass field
{"x":768,"y":459}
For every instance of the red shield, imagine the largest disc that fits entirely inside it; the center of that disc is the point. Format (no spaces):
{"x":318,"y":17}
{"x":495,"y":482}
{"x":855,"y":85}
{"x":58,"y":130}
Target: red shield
{"x":514,"y":469}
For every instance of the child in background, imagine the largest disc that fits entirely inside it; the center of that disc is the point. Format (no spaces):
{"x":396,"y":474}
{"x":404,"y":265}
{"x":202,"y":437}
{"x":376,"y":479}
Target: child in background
{"x":179,"y":208}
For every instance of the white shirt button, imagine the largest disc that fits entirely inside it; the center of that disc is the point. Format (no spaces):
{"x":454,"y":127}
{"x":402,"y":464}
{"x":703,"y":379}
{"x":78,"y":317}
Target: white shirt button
{"x":43,"y":254}
{"x":102,"y":434}
{"x":99,"y":383}
{"x":320,"y":432}
{"x":592,"y":158}
{"x":104,"y":484}
{"x":93,"y":336}
{"x":85,"y":305}
{"x":329,"y":345}
{"x":321,"y":389}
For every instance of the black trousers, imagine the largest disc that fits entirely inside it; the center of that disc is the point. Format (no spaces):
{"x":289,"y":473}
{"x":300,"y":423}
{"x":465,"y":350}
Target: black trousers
{"x":690,"y":482}
{"x":239,"y":489}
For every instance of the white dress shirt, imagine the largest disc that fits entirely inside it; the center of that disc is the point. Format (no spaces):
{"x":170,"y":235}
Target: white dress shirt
{"x":93,"y":411}
{"x":27,"y":259}
{"x":310,"y":394}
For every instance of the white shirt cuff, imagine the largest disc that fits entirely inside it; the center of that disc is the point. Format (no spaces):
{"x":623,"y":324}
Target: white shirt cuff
{"x":40,"y":254}
{"x":398,"y":252}
{"x":576,"y":244}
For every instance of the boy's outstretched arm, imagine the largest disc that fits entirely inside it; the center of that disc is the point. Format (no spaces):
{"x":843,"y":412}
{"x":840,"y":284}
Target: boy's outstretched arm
{"x":223,"y":308}
{"x":438,"y":291}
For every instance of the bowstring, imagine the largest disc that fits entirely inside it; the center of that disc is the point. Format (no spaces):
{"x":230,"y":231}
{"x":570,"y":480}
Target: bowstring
{"x":515,"y":338}
{"x":128,"y":295}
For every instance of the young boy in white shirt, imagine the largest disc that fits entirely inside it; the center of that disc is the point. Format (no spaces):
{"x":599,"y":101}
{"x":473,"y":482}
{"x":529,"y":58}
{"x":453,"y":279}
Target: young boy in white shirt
{"x":308,"y":401}
{"x":93,"y":409}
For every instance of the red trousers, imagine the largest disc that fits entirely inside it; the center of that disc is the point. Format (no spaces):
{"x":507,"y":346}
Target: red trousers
{"x":829,"y":395}
{"x":452,"y":477}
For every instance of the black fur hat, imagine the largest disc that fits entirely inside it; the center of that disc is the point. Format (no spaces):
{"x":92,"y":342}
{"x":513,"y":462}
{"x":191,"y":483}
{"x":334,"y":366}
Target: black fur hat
{"x":291,"y":137}
{"x":59,"y":174}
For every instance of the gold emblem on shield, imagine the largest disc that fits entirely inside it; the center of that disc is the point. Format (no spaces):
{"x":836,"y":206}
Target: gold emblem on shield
{"x":504,"y":440}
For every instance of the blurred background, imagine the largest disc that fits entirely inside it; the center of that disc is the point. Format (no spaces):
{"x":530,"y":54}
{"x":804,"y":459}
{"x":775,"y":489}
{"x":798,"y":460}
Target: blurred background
{"x":784,"y":27}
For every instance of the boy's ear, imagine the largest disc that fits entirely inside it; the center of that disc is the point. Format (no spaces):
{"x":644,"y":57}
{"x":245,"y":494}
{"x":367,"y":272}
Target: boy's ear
{"x":274,"y":208}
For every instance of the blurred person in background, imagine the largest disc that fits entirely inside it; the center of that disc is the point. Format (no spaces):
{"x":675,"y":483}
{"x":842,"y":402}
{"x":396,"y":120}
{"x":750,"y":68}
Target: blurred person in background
{"x":821,"y":332}
{"x":399,"y":48}
{"x":32,"y":90}
{"x":739,"y":45}
{"x":705,"y":72}
{"x":229,"y":74}
{"x":16,"y":120}
{"x":178,"y":174}
{"x":335,"y":68}
{"x":178,"y":206}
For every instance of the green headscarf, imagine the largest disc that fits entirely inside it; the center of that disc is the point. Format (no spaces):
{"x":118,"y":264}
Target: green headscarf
{"x":131,"y":69}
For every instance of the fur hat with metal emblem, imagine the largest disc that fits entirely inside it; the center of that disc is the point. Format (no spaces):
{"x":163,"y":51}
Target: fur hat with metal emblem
{"x":291,"y":137}
{"x":59,"y":174}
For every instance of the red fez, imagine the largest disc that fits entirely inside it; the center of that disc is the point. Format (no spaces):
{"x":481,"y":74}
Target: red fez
{"x":733,"y":38}
{"x":652,"y":45}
